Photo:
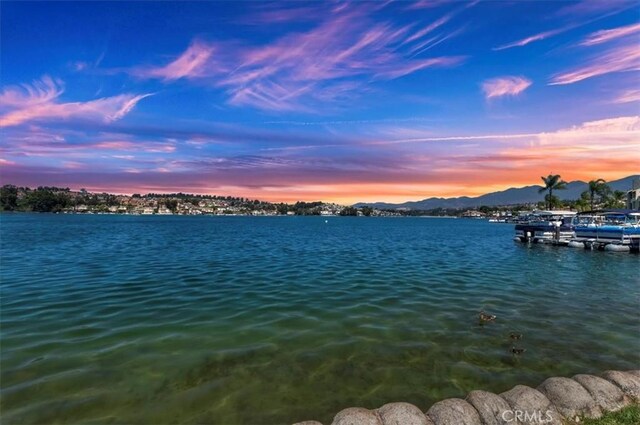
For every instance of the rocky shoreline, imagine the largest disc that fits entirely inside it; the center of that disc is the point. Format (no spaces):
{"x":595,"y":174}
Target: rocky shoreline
{"x":555,"y":401}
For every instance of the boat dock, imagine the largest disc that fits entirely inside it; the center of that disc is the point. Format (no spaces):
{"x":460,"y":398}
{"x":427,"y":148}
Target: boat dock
{"x":615,"y":230}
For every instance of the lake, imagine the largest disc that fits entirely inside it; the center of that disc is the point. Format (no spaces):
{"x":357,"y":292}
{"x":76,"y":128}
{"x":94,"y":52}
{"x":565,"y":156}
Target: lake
{"x":251,"y":320}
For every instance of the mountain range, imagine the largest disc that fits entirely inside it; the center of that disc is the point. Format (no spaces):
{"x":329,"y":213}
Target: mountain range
{"x":512,"y":196}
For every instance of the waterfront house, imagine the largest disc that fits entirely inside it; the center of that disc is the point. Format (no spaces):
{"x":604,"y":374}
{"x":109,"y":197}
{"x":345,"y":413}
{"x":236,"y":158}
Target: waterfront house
{"x":473,"y":214}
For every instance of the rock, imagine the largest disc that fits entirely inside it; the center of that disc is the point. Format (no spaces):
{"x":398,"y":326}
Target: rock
{"x":634,"y":372}
{"x":453,"y":411}
{"x":490,"y":407}
{"x":530,"y":406}
{"x":571,"y":399}
{"x":402,"y":414}
{"x":308,"y":423}
{"x":609,"y":397}
{"x":629,"y":383}
{"x":356,"y":416}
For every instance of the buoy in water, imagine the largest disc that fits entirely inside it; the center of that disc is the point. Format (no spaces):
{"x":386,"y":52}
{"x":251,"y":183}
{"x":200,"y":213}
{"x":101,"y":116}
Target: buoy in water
{"x":576,"y":244}
{"x":614,"y":247}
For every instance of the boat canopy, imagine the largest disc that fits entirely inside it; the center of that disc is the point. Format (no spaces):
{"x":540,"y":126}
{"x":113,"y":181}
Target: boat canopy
{"x":555,"y":213}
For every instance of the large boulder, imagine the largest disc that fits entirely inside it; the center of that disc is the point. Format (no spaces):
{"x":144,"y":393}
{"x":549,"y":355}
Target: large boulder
{"x":530,"y":406}
{"x":492,"y":408}
{"x":356,"y":416}
{"x":627,"y":382}
{"x":402,"y":414}
{"x":453,"y":411}
{"x":634,"y":372}
{"x":608,"y":396}
{"x":570,"y":398}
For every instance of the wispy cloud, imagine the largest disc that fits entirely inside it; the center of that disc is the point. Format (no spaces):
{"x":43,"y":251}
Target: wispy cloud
{"x":589,"y":8}
{"x":193,"y":63}
{"x":39,"y":101}
{"x":532,"y":38}
{"x":628,"y":96}
{"x":581,"y":13}
{"x":611,"y":34}
{"x":617,"y":59}
{"x":301,"y":69}
{"x":505,"y":86}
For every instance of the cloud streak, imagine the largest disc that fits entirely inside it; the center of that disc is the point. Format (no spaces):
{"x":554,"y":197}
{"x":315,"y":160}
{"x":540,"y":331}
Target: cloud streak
{"x":299,"y":70}
{"x":532,"y":38}
{"x":617,"y":59}
{"x":193,"y":63}
{"x":39,"y":102}
{"x":628,"y":96}
{"x":505,"y":86}
{"x":604,"y":36}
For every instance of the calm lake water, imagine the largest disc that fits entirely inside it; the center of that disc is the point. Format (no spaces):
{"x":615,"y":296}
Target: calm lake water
{"x":239,"y":320}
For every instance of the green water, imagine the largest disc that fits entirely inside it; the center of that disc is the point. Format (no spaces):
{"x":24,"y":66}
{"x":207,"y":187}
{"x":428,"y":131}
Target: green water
{"x":239,"y":320}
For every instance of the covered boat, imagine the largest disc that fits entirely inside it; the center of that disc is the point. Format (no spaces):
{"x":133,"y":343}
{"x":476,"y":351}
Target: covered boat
{"x":616,"y":227}
{"x":546,"y":227}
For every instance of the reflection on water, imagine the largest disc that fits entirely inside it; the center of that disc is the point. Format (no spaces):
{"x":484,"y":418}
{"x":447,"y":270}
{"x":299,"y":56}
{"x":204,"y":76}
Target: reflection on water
{"x":121,"y":319}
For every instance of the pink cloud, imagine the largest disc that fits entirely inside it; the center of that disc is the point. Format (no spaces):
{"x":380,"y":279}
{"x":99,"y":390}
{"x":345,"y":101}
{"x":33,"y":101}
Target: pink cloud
{"x":38,"y":92}
{"x":628,"y":96}
{"x":38,"y":101}
{"x":505,"y":86}
{"x":296,"y":71}
{"x":192,"y":63}
{"x":429,"y":28}
{"x":595,"y":8}
{"x":134,"y":146}
{"x":583,"y":13}
{"x":531,"y":39}
{"x":611,"y":34}
{"x":617,"y":59}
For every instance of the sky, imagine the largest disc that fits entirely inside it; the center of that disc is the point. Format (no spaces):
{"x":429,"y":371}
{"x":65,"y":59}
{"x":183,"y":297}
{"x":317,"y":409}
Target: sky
{"x":336,"y":101}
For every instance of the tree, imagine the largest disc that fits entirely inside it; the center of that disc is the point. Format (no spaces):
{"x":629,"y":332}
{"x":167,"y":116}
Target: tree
{"x":552,"y":201}
{"x":8,"y":198}
{"x":616,"y":199}
{"x":583,"y":203}
{"x":171,"y":204}
{"x":349,"y":211}
{"x":367,"y":211}
{"x":597,"y":187}
{"x":552,"y":182}
{"x":44,"y":199}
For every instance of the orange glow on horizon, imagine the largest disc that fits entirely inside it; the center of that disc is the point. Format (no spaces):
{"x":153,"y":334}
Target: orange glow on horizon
{"x":349,"y":193}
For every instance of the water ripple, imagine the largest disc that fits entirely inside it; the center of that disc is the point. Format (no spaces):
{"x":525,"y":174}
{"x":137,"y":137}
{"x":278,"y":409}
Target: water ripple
{"x":120,"y":319}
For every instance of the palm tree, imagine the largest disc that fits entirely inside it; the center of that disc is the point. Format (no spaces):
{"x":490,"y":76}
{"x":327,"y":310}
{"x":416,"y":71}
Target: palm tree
{"x":552,"y":182}
{"x":597,"y":187}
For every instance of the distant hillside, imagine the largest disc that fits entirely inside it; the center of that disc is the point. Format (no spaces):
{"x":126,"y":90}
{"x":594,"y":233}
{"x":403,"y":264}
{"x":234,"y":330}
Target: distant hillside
{"x":519,"y":195}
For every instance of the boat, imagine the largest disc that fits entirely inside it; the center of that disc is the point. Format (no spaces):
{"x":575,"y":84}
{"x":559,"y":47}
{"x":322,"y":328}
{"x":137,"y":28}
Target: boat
{"x":618,"y":228}
{"x":546,"y":227}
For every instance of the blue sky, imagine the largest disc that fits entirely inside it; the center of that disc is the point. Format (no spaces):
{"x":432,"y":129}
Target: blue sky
{"x":318,"y":100}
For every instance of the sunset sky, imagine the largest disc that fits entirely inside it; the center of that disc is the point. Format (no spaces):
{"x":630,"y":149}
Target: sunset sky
{"x":334,"y":101}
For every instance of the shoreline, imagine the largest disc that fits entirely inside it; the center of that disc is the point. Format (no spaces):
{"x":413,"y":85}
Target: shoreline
{"x":555,"y":401}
